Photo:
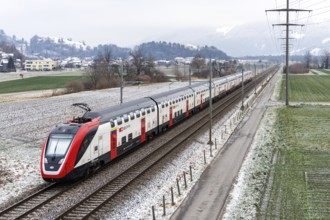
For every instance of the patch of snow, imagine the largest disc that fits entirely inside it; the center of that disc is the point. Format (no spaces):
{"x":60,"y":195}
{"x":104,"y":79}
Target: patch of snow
{"x":25,"y":125}
{"x":326,"y":40}
{"x":316,"y":51}
{"x":191,"y":47}
{"x":225,"y":29}
{"x":297,"y":35}
{"x":252,"y":178}
{"x":143,"y":198}
{"x":69,"y":42}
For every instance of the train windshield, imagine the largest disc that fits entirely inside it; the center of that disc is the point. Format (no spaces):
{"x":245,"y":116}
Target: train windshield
{"x":58,"y":144}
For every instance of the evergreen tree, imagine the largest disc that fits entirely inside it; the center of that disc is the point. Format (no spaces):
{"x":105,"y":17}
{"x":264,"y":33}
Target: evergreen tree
{"x":11,"y":65}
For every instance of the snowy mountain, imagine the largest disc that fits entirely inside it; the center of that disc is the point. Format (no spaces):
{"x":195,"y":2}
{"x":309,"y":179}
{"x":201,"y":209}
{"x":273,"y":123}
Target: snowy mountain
{"x":76,"y":44}
{"x":254,"y":39}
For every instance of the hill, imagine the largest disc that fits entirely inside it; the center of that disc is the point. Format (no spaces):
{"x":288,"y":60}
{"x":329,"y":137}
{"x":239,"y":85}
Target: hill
{"x":59,"y":48}
{"x":168,"y":51}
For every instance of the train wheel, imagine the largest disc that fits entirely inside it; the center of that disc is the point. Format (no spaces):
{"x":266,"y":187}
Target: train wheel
{"x":88,"y":172}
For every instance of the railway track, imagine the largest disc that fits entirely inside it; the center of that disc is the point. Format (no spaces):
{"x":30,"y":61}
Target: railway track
{"x":92,"y":205}
{"x":30,"y":203}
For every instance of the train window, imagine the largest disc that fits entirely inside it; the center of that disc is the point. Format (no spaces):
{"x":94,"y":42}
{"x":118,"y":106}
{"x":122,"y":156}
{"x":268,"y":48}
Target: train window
{"x":176,"y":101}
{"x":130,"y":137}
{"x":125,"y":118}
{"x":132,"y":115}
{"x":123,"y":140}
{"x":138,"y":114}
{"x":166,"y":104}
{"x":153,"y":108}
{"x":112,"y":123}
{"x":163,"y":106}
{"x":148,"y":110}
{"x":119,"y":121}
{"x":143,"y":112}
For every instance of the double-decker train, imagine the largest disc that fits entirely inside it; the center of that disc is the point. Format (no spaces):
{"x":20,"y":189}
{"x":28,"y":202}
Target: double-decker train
{"x":81,"y":145}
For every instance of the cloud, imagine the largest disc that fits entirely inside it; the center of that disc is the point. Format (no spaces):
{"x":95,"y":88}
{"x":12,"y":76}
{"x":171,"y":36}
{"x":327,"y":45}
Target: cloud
{"x":225,"y":29}
{"x":298,"y":35}
{"x":325,"y":40}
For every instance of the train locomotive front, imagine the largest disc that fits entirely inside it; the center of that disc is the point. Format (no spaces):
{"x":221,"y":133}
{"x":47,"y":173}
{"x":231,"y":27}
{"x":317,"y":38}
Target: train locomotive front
{"x":64,"y":148}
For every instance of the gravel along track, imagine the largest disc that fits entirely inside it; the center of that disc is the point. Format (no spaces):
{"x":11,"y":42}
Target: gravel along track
{"x":73,"y":196}
{"x":28,"y":204}
{"x":93,"y":205}
{"x":25,"y":125}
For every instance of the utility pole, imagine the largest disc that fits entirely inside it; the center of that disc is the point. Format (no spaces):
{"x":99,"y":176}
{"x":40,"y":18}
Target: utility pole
{"x":242,"y":107}
{"x":210,"y":105}
{"x":255,"y":79}
{"x":287,"y":24}
{"x":189,"y":75}
{"x":121,"y":81}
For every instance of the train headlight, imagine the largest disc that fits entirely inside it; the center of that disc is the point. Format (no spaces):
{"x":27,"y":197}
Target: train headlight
{"x":45,"y":160}
{"x":61,"y":161}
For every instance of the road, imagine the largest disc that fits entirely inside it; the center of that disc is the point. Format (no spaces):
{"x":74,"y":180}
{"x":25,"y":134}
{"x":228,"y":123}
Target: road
{"x":209,"y":196}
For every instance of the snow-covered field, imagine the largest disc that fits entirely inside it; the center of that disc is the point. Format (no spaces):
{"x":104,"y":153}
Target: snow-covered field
{"x":25,"y":125}
{"x":250,"y":185}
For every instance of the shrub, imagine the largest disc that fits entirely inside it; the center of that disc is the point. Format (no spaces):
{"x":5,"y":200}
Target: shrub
{"x":105,"y":83}
{"x":297,"y":68}
{"x":144,"y":78}
{"x":75,"y":86}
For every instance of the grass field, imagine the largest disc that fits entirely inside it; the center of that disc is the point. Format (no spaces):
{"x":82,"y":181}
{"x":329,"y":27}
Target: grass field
{"x":301,"y":185}
{"x":309,"y":88}
{"x":325,"y":71}
{"x":36,"y":83}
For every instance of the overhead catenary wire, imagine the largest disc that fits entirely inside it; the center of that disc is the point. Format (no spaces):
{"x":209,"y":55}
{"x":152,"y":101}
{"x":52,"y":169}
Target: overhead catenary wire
{"x":287,"y":24}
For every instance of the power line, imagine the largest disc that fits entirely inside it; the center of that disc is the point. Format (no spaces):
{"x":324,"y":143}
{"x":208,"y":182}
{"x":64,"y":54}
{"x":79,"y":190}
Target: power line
{"x":287,"y":25}
{"x":313,"y":15}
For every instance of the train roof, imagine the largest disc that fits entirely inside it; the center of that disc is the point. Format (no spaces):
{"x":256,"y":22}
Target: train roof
{"x":220,"y":80}
{"x":171,"y":94}
{"x":118,"y":110}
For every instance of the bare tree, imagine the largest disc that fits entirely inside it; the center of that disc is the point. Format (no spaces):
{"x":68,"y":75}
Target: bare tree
{"x":178,"y":74}
{"x":316,"y":62}
{"x":326,"y":59}
{"x":149,"y":65}
{"x":198,"y":63}
{"x":308,"y":59}
{"x":218,"y":68}
{"x":138,"y":59}
{"x":92,"y":77}
{"x":103,"y":66}
{"x":105,"y":55}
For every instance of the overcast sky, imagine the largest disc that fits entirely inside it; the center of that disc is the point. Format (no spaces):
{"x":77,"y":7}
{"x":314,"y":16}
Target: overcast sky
{"x":123,"y":22}
{"x":126,"y":22}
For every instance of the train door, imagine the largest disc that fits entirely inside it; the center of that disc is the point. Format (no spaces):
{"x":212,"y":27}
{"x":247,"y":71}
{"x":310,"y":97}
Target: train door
{"x":113,"y":141}
{"x":100,"y":146}
{"x":201,"y":106}
{"x":187,"y":108}
{"x":171,"y":116}
{"x":143,"y":128}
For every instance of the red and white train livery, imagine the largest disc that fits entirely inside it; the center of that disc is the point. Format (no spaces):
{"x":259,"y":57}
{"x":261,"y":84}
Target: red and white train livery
{"x":78,"y":147}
